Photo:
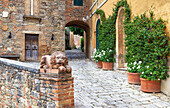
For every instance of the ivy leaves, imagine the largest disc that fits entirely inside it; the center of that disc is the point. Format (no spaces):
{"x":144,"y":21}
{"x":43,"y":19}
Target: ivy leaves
{"x":107,"y":31}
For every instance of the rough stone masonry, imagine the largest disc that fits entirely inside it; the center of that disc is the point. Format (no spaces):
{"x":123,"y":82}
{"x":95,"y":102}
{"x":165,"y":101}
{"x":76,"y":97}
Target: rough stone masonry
{"x":42,"y":19}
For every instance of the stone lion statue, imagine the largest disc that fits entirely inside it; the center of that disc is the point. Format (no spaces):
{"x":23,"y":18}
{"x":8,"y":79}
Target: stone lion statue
{"x":58,"y":60}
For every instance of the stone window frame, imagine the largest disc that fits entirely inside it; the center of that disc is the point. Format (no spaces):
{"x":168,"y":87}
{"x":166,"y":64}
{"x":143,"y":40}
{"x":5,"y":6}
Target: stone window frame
{"x":32,"y":7}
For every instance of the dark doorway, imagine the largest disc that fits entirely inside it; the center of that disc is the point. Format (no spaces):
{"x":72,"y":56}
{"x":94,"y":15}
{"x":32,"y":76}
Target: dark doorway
{"x":31,"y":47}
{"x":97,"y":33}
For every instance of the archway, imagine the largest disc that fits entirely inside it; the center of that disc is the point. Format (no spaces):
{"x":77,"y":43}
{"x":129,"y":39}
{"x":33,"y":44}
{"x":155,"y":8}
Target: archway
{"x":82,"y":25}
{"x":120,"y":39}
{"x":97,"y":33}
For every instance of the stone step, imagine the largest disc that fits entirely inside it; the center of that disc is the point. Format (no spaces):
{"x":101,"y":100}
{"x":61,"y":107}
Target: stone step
{"x":122,"y":69}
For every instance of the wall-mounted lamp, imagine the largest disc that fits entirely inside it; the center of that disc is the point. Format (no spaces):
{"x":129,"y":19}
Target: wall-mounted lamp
{"x":9,"y":37}
{"x":52,"y":38}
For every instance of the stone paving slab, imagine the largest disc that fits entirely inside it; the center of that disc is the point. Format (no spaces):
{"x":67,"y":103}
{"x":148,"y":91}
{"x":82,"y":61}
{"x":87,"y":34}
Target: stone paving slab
{"x":95,"y":88}
{"x":75,"y":54}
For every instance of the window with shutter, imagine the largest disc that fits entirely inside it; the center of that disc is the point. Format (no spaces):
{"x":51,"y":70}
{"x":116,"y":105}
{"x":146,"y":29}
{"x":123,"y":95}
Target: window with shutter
{"x":78,"y":2}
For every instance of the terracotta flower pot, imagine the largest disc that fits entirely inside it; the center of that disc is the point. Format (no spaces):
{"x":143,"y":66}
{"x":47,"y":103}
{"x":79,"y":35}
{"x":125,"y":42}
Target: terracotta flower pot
{"x":99,"y":64}
{"x":150,"y":86}
{"x":107,"y":65}
{"x":133,"y":78}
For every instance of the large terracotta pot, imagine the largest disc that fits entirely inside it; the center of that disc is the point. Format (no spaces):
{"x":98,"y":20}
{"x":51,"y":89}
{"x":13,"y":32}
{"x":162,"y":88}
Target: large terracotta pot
{"x":150,"y":86}
{"x":133,"y":78}
{"x":99,"y":64}
{"x":107,"y":65}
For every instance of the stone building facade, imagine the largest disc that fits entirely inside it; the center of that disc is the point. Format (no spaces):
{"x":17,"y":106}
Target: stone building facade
{"x":32,"y":28}
{"x":160,"y":9}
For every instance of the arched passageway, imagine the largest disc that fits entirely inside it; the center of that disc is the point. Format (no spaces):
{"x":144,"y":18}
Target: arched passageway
{"x":120,"y":39}
{"x":85,"y":27}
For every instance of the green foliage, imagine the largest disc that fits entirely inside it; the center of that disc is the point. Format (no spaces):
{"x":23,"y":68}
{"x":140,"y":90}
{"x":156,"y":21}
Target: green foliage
{"x":146,"y":41}
{"x":107,"y":34}
{"x":76,"y":30}
{"x":75,"y":47}
{"x":67,"y":46}
{"x":107,"y":55}
{"x":102,"y":14}
{"x":65,"y":31}
{"x":82,"y":44}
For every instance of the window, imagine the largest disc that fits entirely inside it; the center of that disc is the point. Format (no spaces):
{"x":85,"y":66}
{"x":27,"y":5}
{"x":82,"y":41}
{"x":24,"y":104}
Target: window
{"x":78,"y":2}
{"x":32,"y":7}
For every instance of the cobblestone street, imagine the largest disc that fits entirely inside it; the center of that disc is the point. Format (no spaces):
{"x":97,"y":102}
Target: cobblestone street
{"x":95,"y":88}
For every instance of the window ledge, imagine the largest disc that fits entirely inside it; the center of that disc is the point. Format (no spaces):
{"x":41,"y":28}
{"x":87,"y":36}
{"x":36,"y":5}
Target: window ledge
{"x":31,"y":17}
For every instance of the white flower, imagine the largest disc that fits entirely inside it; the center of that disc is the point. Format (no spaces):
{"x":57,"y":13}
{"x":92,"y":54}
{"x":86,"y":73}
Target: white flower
{"x":150,"y":72}
{"x":133,"y":56}
{"x":147,"y":66}
{"x":158,"y":79}
{"x":140,"y":62}
{"x":138,"y":67}
{"x":142,"y":72}
{"x":135,"y":63}
{"x":129,"y":68}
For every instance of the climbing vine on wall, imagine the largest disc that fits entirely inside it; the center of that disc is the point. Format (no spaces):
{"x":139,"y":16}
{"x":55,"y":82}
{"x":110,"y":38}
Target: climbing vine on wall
{"x":107,"y":31}
{"x":102,"y":14}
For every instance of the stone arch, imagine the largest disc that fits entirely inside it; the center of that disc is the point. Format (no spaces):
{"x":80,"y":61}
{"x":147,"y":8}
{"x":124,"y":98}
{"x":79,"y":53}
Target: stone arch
{"x":97,"y":33}
{"x":82,"y":25}
{"x":120,"y":39}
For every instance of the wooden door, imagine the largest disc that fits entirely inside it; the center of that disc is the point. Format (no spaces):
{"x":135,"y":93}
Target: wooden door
{"x":31,"y":47}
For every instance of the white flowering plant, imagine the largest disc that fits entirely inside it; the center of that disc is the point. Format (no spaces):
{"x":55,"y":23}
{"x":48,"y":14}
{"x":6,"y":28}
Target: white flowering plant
{"x":151,"y":71}
{"x":107,"y":55}
{"x":147,"y":40}
{"x":97,"y":55}
{"x":134,"y":67}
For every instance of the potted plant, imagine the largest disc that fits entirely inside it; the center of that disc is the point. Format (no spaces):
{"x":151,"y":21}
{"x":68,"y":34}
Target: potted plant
{"x":153,"y":51}
{"x":97,"y":57}
{"x":107,"y":59}
{"x":133,"y":72}
{"x":133,"y":55}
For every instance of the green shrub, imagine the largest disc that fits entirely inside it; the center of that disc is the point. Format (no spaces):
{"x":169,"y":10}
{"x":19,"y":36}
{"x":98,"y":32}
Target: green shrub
{"x":82,"y":44}
{"x":147,"y":42}
{"x":107,"y":30}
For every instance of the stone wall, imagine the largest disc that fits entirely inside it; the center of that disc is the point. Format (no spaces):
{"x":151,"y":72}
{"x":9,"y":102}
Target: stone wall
{"x":71,"y":40}
{"x":48,"y":19}
{"x":21,"y":85}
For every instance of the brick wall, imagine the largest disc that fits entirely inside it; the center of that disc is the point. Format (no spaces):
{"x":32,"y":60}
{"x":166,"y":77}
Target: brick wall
{"x":74,"y":13}
{"x":24,"y":86}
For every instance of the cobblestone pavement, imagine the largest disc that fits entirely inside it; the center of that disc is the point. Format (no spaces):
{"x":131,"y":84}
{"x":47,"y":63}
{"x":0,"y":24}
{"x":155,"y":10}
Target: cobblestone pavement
{"x":75,"y":54}
{"x":95,"y":88}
